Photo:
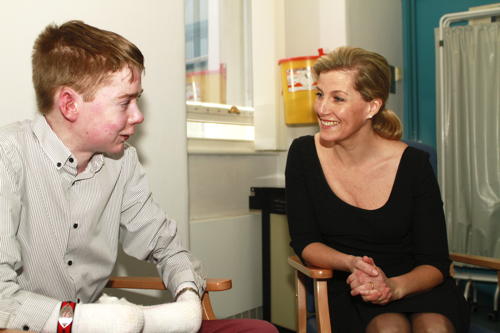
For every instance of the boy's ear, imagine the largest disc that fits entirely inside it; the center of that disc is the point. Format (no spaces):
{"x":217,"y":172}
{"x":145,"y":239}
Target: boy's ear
{"x":67,"y":103}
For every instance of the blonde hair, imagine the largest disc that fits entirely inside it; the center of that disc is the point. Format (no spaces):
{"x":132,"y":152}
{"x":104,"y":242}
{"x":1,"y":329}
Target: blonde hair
{"x":79,"y":56}
{"x":372,"y":80}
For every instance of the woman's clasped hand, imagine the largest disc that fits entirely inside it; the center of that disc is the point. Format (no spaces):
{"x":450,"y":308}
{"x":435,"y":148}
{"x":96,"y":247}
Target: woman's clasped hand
{"x":369,"y":281}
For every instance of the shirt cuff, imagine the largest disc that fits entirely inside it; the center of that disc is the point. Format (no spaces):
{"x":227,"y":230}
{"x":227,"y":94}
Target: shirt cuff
{"x":33,"y":313}
{"x":186,"y":276}
{"x":187,"y":284}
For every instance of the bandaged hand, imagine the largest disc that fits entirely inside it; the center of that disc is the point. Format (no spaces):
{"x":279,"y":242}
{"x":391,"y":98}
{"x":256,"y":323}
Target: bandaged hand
{"x":101,"y":318}
{"x":182,"y":316}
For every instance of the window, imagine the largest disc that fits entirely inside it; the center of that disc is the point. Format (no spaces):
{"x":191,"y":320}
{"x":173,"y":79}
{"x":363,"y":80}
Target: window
{"x":218,"y":70}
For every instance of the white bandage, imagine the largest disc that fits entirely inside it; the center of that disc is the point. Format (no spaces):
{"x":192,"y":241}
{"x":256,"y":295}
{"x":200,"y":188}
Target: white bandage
{"x":101,"y":318}
{"x":182,"y":316}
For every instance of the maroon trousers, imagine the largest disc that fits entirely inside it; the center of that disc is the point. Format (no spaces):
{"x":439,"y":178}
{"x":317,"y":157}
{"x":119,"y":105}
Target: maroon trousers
{"x":237,"y":326}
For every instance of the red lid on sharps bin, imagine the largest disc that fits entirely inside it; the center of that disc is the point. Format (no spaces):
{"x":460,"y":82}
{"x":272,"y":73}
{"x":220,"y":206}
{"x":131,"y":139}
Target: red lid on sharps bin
{"x":320,"y":53}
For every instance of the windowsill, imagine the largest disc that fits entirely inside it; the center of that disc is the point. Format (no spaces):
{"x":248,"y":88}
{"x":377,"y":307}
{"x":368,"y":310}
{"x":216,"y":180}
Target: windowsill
{"x":224,"y":147}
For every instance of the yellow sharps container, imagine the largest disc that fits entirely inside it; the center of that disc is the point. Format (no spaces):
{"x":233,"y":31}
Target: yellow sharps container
{"x":299,"y":88}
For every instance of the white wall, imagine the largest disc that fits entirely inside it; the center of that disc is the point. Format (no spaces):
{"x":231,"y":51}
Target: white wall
{"x":225,"y":235}
{"x":235,"y":253}
{"x":157,"y":28}
{"x":377,"y":26}
{"x":313,"y":24}
{"x":219,"y":185}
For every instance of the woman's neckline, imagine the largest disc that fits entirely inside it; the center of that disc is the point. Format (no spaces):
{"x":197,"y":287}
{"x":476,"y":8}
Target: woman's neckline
{"x":332,"y":192}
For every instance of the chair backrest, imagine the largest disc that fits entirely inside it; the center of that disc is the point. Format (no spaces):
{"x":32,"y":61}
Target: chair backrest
{"x":428,"y":149}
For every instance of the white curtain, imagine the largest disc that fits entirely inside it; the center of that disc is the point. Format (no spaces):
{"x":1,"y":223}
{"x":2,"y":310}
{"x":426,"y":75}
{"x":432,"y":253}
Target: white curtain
{"x":469,"y":138}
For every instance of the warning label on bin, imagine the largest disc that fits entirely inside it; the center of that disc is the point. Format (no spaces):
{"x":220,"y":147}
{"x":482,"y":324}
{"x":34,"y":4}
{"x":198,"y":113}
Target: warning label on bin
{"x":300,"y":79}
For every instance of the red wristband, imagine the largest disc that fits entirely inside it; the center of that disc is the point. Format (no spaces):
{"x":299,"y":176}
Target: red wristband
{"x":66,"y":314}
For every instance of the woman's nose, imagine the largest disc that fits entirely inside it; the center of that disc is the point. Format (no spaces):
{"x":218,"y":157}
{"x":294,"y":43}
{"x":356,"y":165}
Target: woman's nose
{"x":322,"y":107}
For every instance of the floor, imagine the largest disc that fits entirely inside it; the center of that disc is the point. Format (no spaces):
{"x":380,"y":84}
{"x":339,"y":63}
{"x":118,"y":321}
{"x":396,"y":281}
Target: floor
{"x":482,"y":313}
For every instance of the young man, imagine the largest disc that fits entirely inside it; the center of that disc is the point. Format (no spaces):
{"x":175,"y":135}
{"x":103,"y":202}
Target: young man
{"x":72,"y":190}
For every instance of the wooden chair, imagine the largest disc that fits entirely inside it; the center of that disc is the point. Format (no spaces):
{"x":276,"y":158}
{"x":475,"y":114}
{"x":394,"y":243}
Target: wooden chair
{"x":320,"y":276}
{"x":132,"y":282}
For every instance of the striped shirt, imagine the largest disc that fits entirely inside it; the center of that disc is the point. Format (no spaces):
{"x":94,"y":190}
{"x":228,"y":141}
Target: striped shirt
{"x":60,"y":231}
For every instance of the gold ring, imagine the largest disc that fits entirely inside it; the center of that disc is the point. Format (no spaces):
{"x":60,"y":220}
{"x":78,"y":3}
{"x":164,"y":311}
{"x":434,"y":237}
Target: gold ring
{"x":372,"y":284}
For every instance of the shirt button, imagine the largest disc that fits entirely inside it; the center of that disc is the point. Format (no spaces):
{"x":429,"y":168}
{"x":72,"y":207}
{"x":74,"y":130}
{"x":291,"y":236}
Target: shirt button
{"x":59,"y":164}
{"x":70,"y":160}
{"x":70,"y":262}
{"x":75,"y":225}
{"x":26,"y":328}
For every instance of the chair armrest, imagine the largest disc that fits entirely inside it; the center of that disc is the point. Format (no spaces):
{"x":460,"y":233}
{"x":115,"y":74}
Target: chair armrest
{"x":136,"y":282}
{"x":486,"y":262}
{"x":310,"y":271}
{"x":148,"y":282}
{"x":218,"y":284}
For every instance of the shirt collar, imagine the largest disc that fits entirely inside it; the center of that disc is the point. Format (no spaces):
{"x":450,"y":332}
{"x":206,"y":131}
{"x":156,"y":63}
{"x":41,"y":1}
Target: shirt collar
{"x":55,"y":149}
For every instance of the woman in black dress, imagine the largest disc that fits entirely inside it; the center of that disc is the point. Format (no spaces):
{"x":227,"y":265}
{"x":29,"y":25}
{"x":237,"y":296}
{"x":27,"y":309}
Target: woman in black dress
{"x":363,"y":203}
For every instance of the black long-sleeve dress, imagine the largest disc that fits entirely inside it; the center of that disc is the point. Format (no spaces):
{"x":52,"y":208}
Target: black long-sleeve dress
{"x":407,"y":231}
